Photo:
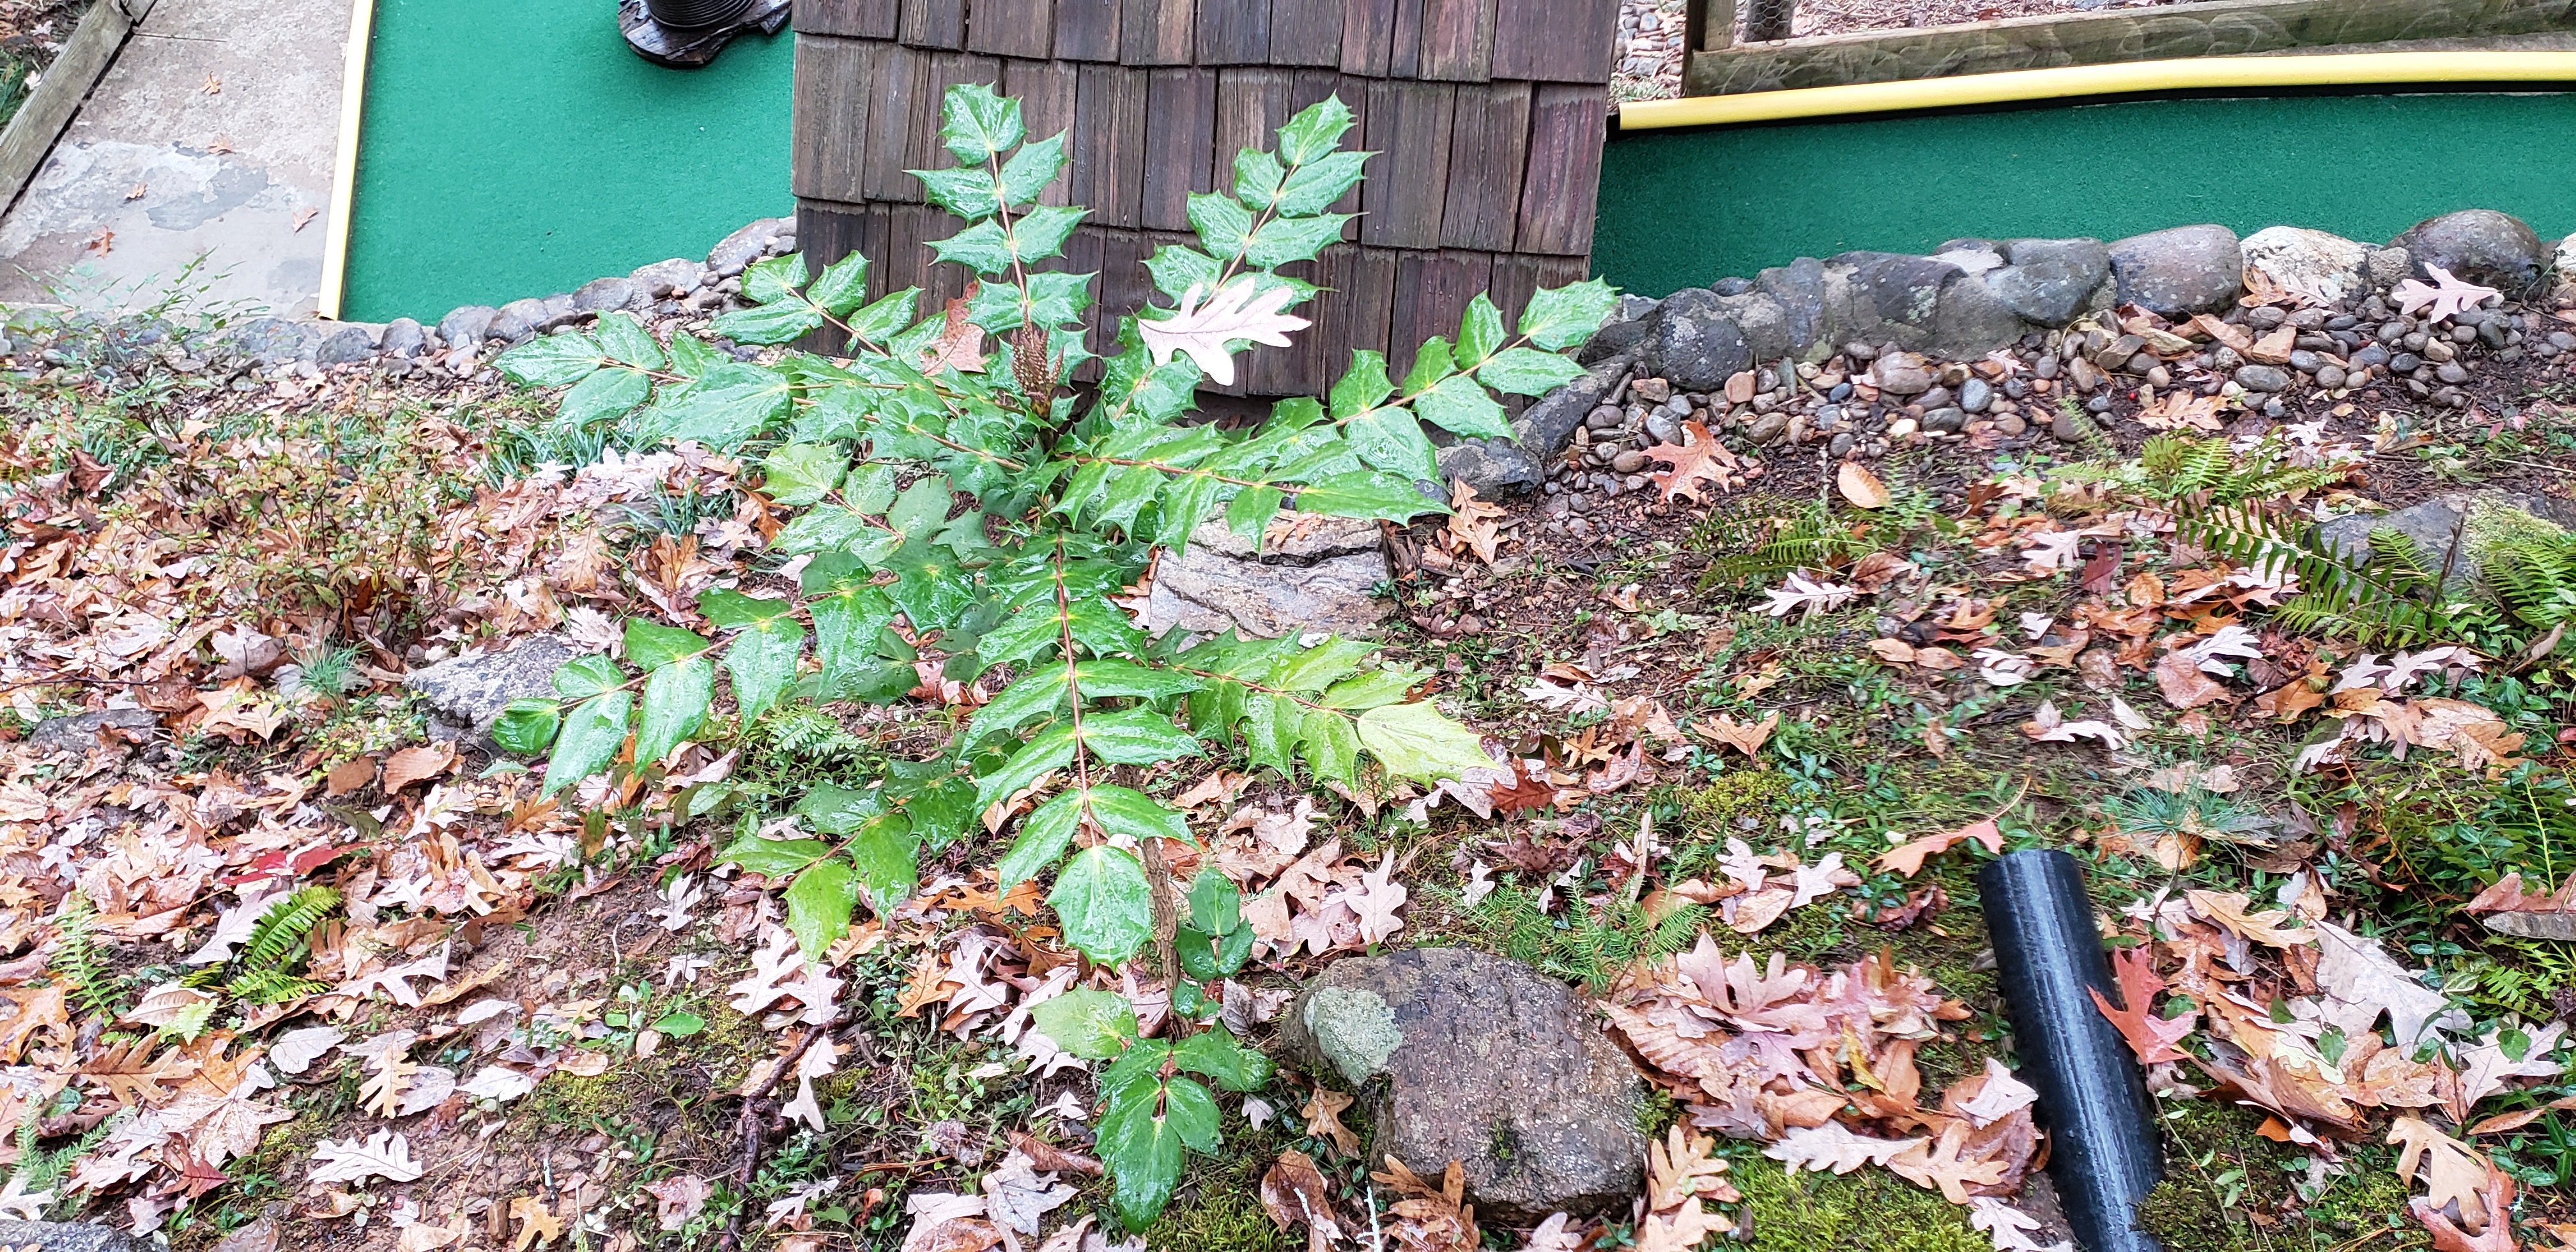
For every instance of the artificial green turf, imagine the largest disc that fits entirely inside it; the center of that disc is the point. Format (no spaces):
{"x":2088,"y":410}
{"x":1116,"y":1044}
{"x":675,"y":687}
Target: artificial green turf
{"x":516,"y":148}
{"x":1685,"y":208}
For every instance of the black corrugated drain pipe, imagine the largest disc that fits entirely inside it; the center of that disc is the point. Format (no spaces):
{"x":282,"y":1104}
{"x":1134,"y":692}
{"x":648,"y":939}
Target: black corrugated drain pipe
{"x":2104,"y":1153}
{"x":695,"y":14}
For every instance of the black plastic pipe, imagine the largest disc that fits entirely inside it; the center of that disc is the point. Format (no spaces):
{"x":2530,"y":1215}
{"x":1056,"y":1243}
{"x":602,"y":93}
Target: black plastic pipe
{"x":2104,"y":1153}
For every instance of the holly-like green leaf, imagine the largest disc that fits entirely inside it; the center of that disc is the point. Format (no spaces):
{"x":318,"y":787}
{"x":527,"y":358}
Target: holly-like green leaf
{"x":1528,"y":372}
{"x":652,"y":646}
{"x":525,"y":727}
{"x":1216,"y":904}
{"x":1460,"y":406}
{"x":1092,"y":1024}
{"x":676,"y":699}
{"x":1136,"y":737}
{"x":773,"y":858}
{"x":1051,"y":748}
{"x":819,"y":905}
{"x":886,"y":855}
{"x":1031,"y":168}
{"x":1363,"y":385}
{"x":1216,"y":1054}
{"x":1315,"y":131}
{"x":1314,"y":186}
{"x":724,"y":406}
{"x":1368,"y":494}
{"x":976,"y":123}
{"x":773,"y":278}
{"x":1563,"y":317}
{"x":1417,"y":741}
{"x":1124,"y":811}
{"x":589,"y":740}
{"x":1044,"y":835}
{"x":1480,"y":332}
{"x":1101,"y":898}
{"x":552,"y":360}
{"x":1330,"y":745}
{"x":799,"y":474}
{"x":762,"y":661}
{"x":1143,"y":1152}
{"x":585,"y":676}
{"x":842,"y":287}
{"x":625,"y":339}
{"x":768,"y":323}
{"x":605,"y":394}
{"x":1391,"y":440}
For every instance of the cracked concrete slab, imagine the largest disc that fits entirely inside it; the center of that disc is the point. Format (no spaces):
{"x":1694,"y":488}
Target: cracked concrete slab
{"x":211,"y":137}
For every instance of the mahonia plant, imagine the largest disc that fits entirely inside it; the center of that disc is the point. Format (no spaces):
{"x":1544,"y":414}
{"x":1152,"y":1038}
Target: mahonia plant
{"x":980,"y":520}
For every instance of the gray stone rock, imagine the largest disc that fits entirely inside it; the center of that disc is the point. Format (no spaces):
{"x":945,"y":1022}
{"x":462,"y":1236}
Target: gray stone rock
{"x":1799,"y":289}
{"x":1971,"y":320}
{"x":346,"y":346}
{"x":1762,"y":322}
{"x":559,"y":312}
{"x":2263,"y":378}
{"x":70,"y":1237}
{"x":2179,"y":272}
{"x":2478,"y":245}
{"x":1946,"y":421}
{"x":664,"y":279}
{"x":2050,"y":282}
{"x":599,"y":295}
{"x":403,"y":337}
{"x":2389,"y":267}
{"x":517,"y":320}
{"x":78,"y":733}
{"x":2309,"y":260}
{"x":1900,"y":292}
{"x":1547,"y":424}
{"x":1322,"y":581}
{"x":739,"y":249}
{"x":274,"y":340}
{"x":468,"y":325}
{"x":1689,"y":342}
{"x":469,"y":692}
{"x":2478,"y":519}
{"x":1976,"y":394}
{"x":1486,"y":1062}
{"x":1613,"y":339}
{"x":1496,"y":468}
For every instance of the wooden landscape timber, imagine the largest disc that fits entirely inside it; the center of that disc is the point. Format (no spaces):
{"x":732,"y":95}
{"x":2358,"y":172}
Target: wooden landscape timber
{"x":2213,"y":28}
{"x":48,"y":109}
{"x":1490,"y":115}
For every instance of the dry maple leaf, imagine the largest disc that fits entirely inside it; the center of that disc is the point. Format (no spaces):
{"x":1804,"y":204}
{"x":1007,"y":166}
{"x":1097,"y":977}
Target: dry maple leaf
{"x":1833,"y":1146}
{"x":2151,"y":1037}
{"x":100,"y":243}
{"x":1242,"y":309}
{"x":1430,"y":1219}
{"x":2179,"y":678}
{"x":2361,"y":981}
{"x":1806,"y":596}
{"x":1293,"y":1192}
{"x":416,"y":764}
{"x":1940,"y":1165}
{"x":302,"y":216}
{"x":960,"y":345}
{"x":1860,"y":487}
{"x":2446,"y":297}
{"x":2454,"y":1173}
{"x":1699,"y":459}
{"x":2047,"y":725}
{"x":2497,"y":1197}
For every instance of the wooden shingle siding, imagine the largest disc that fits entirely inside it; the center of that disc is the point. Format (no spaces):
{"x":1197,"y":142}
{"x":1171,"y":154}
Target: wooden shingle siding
{"x":1488,"y":118}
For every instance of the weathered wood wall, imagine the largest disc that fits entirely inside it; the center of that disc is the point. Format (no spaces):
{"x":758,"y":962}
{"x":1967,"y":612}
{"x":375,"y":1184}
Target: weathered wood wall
{"x":1489,"y":116}
{"x":2214,"y":28}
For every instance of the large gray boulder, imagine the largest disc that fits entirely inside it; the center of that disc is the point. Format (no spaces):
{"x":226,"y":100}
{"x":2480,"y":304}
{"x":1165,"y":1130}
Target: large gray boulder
{"x":1486,"y":1062}
{"x":1324,"y":578}
{"x":2478,"y":519}
{"x":2179,"y":272}
{"x":2051,"y":282}
{"x":1900,"y":291}
{"x":2479,"y":246}
{"x":1496,"y":468}
{"x":1547,"y":424}
{"x":2309,"y":260}
{"x":70,"y":1237}
{"x":1799,"y":289}
{"x":466,"y":326}
{"x":1691,"y":343}
{"x":465,"y":695}
{"x":738,"y":250}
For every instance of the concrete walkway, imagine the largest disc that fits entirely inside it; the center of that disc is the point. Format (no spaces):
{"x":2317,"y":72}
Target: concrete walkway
{"x":211,"y":137}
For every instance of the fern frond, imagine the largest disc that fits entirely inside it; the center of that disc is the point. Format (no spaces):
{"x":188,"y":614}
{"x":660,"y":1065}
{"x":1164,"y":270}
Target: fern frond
{"x":273,"y":986}
{"x":278,"y":937}
{"x":2534,"y":580}
{"x":2337,"y":596}
{"x":80,"y":966}
{"x":1756,"y":544}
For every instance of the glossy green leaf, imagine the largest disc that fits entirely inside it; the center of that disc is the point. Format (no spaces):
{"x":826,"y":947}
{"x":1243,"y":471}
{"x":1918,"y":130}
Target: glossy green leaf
{"x":1315,"y":131}
{"x":799,"y":474}
{"x":775,"y":278}
{"x":1528,"y":372}
{"x":1480,"y":332}
{"x":676,"y":699}
{"x":1143,"y":1152}
{"x":1418,"y":741}
{"x":1366,"y":494}
{"x":1101,"y":898}
{"x":1562,"y":317}
{"x":1030,"y":169}
{"x":1460,"y":406}
{"x":886,"y":855}
{"x":976,"y":123}
{"x":768,"y":323}
{"x":729,"y":403}
{"x":1362,"y":386}
{"x":819,"y":906}
{"x":605,"y":394}
{"x":1092,"y":1024}
{"x":625,"y":340}
{"x":1044,"y":835}
{"x":525,"y":727}
{"x":552,"y":360}
{"x":1215,"y":903}
{"x":586,"y":676}
{"x":842,"y":287}
{"x":773,"y":858}
{"x":1391,"y":440}
{"x":1216,"y":1054}
{"x":589,"y":739}
{"x":1051,"y":748}
{"x":651,"y":646}
{"x":762,"y":662}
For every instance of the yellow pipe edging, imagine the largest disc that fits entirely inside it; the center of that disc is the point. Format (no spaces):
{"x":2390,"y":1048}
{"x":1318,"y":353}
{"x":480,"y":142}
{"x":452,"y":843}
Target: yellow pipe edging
{"x":2014,"y":86}
{"x":344,"y":163}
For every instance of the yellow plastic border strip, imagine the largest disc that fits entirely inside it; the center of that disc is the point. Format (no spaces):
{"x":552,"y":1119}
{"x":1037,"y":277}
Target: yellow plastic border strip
{"x":2016,"y":86}
{"x":344,"y":162}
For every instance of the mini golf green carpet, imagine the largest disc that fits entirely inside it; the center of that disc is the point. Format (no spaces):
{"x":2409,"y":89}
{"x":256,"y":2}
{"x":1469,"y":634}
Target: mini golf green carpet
{"x":516,"y":148}
{"x":1686,"y":208}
